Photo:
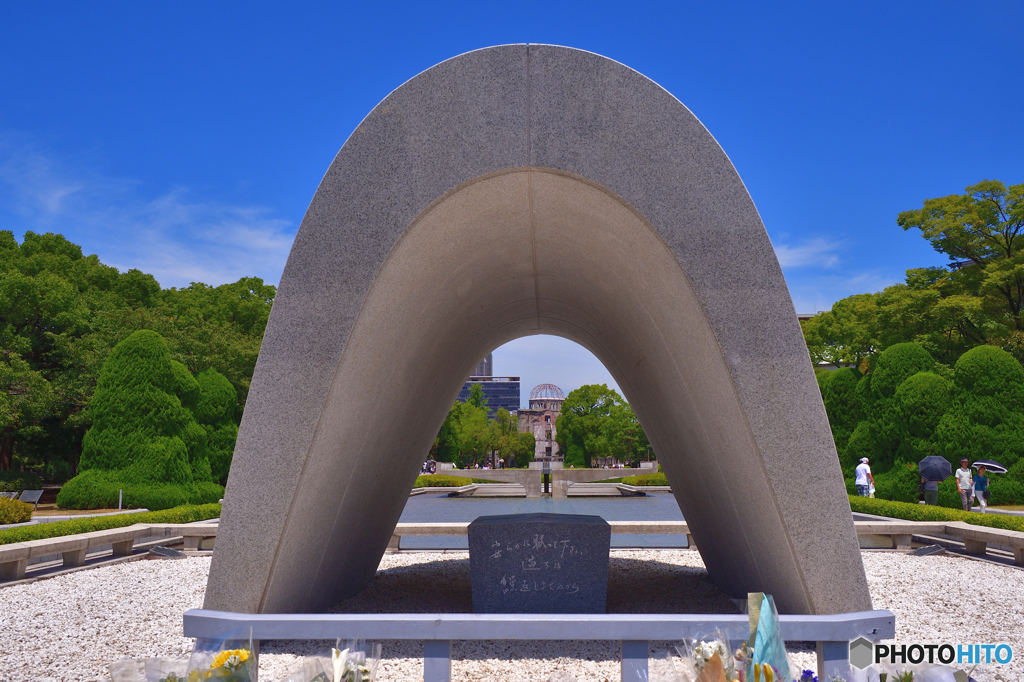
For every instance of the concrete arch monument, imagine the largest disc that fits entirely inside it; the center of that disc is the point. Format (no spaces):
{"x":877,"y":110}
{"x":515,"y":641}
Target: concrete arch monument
{"x":517,"y":190}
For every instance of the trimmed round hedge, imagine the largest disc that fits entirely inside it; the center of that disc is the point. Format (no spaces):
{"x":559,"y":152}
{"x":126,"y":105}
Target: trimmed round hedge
{"x":144,"y":439}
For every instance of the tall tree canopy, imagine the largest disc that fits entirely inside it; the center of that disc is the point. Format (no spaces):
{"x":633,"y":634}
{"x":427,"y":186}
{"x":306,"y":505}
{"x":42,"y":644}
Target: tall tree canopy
{"x":61,"y":314}
{"x":596,"y":422}
{"x":976,"y":301}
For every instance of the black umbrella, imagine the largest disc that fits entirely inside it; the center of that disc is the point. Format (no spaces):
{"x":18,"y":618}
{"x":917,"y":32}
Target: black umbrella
{"x":993,"y":466}
{"x":935,"y":468}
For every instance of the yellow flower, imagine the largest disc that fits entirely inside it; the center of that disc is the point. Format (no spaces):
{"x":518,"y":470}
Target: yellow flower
{"x":232,"y":657}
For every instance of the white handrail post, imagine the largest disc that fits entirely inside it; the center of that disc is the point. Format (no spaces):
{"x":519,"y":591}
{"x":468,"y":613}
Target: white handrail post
{"x":437,"y":660}
{"x":833,"y":659}
{"x":634,"y":660}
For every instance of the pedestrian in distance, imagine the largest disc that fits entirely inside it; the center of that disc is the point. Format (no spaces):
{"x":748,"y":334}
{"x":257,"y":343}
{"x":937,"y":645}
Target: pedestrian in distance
{"x":864,"y":479}
{"x":980,"y":488}
{"x":965,"y":484}
{"x":931,"y":491}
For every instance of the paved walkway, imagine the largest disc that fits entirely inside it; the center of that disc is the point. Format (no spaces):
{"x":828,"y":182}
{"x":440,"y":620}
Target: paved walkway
{"x":427,"y":508}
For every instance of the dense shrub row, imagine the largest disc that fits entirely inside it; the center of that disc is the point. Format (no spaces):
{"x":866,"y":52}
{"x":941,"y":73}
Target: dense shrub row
{"x":16,"y":481}
{"x":924,"y":512}
{"x":185,"y":514}
{"x":441,"y":481}
{"x":97,"y":489}
{"x":908,"y":407}
{"x":646,"y":479}
{"x":14,"y":511}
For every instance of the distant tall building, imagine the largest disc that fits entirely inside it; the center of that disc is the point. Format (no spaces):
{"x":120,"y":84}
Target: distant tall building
{"x":498,"y":391}
{"x":545,"y":406}
{"x":485,"y":368}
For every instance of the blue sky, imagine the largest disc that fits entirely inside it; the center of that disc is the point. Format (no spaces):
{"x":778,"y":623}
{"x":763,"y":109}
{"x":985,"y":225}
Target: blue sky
{"x":186,"y":139}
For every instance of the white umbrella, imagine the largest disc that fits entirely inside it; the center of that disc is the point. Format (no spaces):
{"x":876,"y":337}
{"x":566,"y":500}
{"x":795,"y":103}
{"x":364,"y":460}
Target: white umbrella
{"x":991,"y":465}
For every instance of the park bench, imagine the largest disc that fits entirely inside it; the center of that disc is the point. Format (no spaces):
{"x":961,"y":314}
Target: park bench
{"x":901,"y":532}
{"x":73,"y":549}
{"x":832,"y":633}
{"x":193,"y":533}
{"x":977,"y":538}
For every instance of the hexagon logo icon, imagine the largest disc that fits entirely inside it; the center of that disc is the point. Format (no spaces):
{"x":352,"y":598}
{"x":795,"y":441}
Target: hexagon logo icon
{"x":861,"y":653}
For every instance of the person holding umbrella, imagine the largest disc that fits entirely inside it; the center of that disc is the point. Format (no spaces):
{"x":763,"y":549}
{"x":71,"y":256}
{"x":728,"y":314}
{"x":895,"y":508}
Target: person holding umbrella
{"x":980,"y":488}
{"x":931,"y":491}
{"x":933,"y":469}
{"x":965,"y":484}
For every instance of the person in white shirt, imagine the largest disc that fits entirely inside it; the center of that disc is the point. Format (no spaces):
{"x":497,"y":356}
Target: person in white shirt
{"x":965,"y":484}
{"x":864,"y":479}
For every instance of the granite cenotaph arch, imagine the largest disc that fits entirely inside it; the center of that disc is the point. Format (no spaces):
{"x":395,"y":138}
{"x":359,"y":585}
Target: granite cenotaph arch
{"x":516,"y":190}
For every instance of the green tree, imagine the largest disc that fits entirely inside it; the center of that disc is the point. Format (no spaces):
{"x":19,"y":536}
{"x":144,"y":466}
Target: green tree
{"x":446,"y":444}
{"x":583,"y":425}
{"x":920,"y":402}
{"x":215,"y":411}
{"x":474,"y":434}
{"x":986,"y":416}
{"x":838,"y":393}
{"x":61,"y":314}
{"x":144,"y":438}
{"x":476,"y":396}
{"x":626,"y":439}
{"x":844,"y":335}
{"x":983,"y":226}
{"x":504,"y":436}
{"x":526,"y":449}
{"x":50,"y":295}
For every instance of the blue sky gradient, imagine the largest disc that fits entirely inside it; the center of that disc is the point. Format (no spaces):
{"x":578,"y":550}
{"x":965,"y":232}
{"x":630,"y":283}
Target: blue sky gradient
{"x":186,"y":139}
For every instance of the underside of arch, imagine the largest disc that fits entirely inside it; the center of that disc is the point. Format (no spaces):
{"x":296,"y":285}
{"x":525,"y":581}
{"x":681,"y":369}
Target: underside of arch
{"x":382,"y":313}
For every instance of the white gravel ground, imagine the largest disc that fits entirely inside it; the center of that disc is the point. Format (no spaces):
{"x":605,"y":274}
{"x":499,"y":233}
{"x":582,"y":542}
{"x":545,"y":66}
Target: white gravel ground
{"x":70,"y":627}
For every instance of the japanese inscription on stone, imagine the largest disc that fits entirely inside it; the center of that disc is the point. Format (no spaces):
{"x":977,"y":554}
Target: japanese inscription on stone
{"x":539,"y":563}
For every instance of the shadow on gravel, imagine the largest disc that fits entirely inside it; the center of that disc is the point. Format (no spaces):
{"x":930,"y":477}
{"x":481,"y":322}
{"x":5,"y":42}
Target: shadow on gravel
{"x":444,"y":586}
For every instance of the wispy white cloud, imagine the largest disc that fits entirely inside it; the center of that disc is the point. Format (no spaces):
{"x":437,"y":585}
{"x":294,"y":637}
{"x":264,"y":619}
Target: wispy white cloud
{"x":820,"y":253}
{"x":173,"y":236}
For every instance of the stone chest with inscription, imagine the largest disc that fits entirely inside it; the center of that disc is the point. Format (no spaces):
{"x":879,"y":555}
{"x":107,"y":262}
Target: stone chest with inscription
{"x":539,"y":563}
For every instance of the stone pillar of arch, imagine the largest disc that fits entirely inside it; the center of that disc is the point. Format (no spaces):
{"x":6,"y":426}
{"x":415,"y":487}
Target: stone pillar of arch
{"x":515,"y":190}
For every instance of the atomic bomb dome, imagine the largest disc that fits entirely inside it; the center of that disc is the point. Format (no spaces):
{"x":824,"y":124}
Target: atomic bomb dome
{"x":547,"y":391}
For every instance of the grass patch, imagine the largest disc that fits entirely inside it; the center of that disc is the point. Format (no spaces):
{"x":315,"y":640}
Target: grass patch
{"x":925,"y":512}
{"x":646,"y":479}
{"x":443,"y":481}
{"x":184,"y":514}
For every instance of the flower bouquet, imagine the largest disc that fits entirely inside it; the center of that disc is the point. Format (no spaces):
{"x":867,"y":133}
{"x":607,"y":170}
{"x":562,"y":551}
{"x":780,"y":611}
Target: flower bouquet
{"x":355,"y":663}
{"x":156,"y":669}
{"x":765,"y":660}
{"x":229,"y":658}
{"x":712,"y":658}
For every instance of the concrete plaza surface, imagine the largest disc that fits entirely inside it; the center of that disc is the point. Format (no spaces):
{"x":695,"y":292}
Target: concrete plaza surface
{"x":70,"y":627}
